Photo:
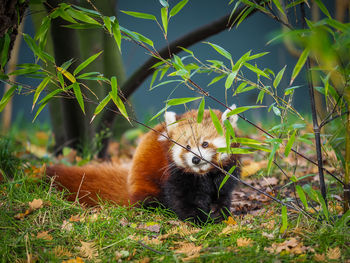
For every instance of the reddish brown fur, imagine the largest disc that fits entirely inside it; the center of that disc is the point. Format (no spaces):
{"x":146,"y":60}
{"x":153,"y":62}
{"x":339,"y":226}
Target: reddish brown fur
{"x":92,"y":181}
{"x":124,"y":187}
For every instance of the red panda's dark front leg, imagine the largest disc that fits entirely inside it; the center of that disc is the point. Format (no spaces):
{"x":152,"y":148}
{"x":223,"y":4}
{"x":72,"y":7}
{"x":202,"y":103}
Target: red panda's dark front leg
{"x":189,"y":196}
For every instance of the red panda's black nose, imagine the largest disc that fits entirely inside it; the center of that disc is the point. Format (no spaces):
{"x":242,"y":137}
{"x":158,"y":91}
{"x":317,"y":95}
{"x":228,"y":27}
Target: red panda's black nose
{"x":196,"y":160}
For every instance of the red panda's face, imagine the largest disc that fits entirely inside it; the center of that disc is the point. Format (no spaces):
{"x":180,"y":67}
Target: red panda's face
{"x":200,"y":141}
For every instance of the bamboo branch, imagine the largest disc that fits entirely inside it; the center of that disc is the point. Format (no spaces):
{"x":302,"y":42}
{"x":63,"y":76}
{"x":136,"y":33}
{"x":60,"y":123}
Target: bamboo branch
{"x":141,"y":74}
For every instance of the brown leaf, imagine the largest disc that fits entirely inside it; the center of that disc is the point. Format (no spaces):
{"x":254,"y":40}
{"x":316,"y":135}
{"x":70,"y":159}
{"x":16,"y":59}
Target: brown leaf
{"x":320,"y":257}
{"x":150,"y":226}
{"x":36,"y":204}
{"x":267,"y":235}
{"x":21,"y":216}
{"x":292,"y":246}
{"x":189,"y":249}
{"x":61,"y":251}
{"x":88,"y":250}
{"x":75,"y":218}
{"x":67,"y":226}
{"x":229,"y":230}
{"x":44,"y":235}
{"x":244,"y":242}
{"x":268,"y":225}
{"x":334,"y":253}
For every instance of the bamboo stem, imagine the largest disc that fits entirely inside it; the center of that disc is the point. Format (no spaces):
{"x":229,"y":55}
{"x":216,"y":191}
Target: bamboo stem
{"x":316,"y":126}
{"x":347,"y":165}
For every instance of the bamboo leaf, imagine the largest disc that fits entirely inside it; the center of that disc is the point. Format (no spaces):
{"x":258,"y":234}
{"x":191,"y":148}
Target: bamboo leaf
{"x":78,"y":95}
{"x":258,"y":71}
{"x":229,"y":129}
{"x":80,"y":15}
{"x":116,"y":33}
{"x":101,"y":105}
{"x":235,"y":150}
{"x":279,"y":76}
{"x":5,"y":50}
{"x":201,"y":111}
{"x":179,"y":101}
{"x":284,"y":220}
{"x":216,"y":79}
{"x":279,"y":6}
{"x":300,"y":64}
{"x":242,"y":109}
{"x":164,"y":14}
{"x":220,"y":50}
{"x":302,"y":196}
{"x":7,"y":96}
{"x":323,"y":8}
{"x":39,"y":89}
{"x":216,"y":122}
{"x":164,"y":3}
{"x":290,"y":144}
{"x":226,"y":177}
{"x":230,"y":78}
{"x":165,"y":82}
{"x":178,"y":7}
{"x":140,"y":15}
{"x":272,"y":156}
{"x":120,"y":105}
{"x":114,"y":85}
{"x":86,"y":63}
{"x":67,"y":74}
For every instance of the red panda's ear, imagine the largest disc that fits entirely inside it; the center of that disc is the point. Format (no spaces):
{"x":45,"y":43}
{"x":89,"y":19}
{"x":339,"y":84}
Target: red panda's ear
{"x":232,"y":119}
{"x":170,"y":120}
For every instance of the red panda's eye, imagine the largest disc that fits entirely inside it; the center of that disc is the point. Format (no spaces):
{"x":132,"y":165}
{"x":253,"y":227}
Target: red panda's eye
{"x":205,"y":144}
{"x":188,"y":147}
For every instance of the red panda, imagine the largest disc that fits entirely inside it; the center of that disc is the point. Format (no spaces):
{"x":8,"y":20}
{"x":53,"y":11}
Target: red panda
{"x":163,"y":171}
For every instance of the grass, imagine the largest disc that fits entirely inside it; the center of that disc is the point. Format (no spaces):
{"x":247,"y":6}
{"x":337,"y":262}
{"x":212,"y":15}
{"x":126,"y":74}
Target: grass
{"x":58,"y":230}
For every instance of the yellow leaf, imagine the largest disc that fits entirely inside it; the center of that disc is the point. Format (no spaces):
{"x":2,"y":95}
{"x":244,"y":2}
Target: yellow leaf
{"x":21,"y":216}
{"x":61,"y":251}
{"x":67,"y":74}
{"x":230,"y":221}
{"x":74,"y":260}
{"x":36,"y":204}
{"x":229,"y":230}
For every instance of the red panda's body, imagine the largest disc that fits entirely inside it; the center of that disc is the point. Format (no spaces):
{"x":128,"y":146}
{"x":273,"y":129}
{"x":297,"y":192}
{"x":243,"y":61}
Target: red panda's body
{"x":163,"y":171}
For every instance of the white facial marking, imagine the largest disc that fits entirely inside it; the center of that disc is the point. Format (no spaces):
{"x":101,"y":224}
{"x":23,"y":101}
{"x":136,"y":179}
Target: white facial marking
{"x":219,"y":142}
{"x":176,"y":152}
{"x":203,"y":166}
{"x":232,"y":119}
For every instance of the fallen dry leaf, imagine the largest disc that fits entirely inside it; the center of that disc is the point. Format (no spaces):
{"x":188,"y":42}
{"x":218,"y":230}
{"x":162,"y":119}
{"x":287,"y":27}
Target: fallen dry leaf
{"x":229,"y":230}
{"x":320,"y":257}
{"x":292,"y":246}
{"x":61,"y":251}
{"x":88,"y":250}
{"x":44,"y":235}
{"x":268,"y":225}
{"x":334,"y":253}
{"x":74,"y":260}
{"x":189,"y":249}
{"x":67,"y":226}
{"x":267,"y":235}
{"x":244,"y":242}
{"x":150,"y":226}
{"x":75,"y":218}
{"x":21,"y":216}
{"x":36,"y":204}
